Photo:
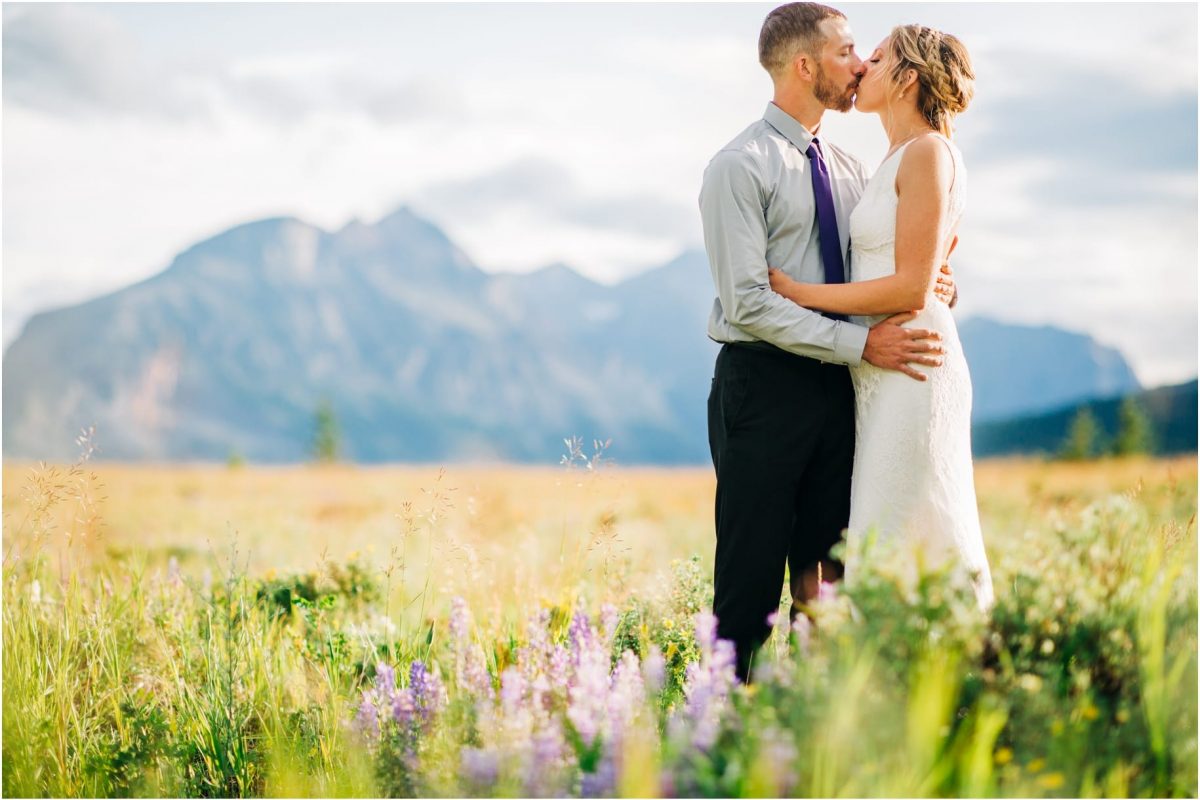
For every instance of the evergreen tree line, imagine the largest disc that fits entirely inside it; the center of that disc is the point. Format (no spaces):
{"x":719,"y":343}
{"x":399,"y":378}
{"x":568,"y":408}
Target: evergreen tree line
{"x":1087,"y":439}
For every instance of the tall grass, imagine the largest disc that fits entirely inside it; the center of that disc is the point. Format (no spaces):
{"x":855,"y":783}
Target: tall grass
{"x":581,"y":664}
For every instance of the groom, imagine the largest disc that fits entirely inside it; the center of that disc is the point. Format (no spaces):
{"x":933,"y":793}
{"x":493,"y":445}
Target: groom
{"x":781,"y":409}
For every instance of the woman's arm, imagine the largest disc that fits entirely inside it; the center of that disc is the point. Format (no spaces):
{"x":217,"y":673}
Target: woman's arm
{"x":923,"y":186}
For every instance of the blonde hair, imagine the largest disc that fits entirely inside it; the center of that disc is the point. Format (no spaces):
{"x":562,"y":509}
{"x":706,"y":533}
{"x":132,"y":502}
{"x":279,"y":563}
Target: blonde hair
{"x":945,"y":77}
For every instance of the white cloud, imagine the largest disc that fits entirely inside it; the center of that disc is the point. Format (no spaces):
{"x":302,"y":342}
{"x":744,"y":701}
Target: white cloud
{"x":579,"y":136}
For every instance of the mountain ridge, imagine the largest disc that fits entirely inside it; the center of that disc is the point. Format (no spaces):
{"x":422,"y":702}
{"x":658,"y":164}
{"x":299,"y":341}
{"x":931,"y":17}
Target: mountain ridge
{"x":424,"y":355}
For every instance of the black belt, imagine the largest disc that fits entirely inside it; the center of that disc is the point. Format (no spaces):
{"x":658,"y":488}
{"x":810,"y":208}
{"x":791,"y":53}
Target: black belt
{"x":767,"y":347}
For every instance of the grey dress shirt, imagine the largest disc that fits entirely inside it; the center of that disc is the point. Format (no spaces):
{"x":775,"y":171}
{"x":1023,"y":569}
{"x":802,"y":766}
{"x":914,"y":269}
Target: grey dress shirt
{"x":756,"y":204}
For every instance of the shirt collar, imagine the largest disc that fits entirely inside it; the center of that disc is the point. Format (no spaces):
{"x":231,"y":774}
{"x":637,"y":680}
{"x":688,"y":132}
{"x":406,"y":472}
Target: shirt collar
{"x":787,"y":125}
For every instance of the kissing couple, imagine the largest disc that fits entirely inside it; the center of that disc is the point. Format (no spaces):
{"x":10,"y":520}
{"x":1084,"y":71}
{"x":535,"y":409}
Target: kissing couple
{"x":819,"y":266}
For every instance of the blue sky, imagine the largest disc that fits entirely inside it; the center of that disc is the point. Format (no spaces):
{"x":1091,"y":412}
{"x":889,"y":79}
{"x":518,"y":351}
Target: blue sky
{"x":577,"y":133}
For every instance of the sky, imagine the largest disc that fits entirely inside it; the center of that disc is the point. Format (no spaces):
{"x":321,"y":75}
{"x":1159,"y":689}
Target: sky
{"x":542,"y":133}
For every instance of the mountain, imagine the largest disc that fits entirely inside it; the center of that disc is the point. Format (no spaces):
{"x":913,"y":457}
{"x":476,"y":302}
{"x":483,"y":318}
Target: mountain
{"x":1172,"y":411}
{"x":1016,"y":369}
{"x":424,"y":357}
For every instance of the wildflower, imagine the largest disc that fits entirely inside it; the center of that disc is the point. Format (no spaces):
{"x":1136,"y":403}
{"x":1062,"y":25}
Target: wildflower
{"x":780,"y":751}
{"x":547,"y":757}
{"x":1030,"y":682}
{"x":600,"y":783}
{"x":654,"y":670}
{"x":709,"y":683}
{"x":1090,"y":712}
{"x":35,"y":592}
{"x":1004,"y":755}
{"x":827,"y":592}
{"x":512,"y":690}
{"x":588,"y":691}
{"x":481,"y":767}
{"x":609,"y":620}
{"x":470,"y":672}
{"x":579,"y":636}
{"x":404,"y":710}
{"x":1037,"y":765}
{"x":366,"y":720}
{"x":1051,"y":780}
{"x":428,"y":693}
{"x":802,"y":628}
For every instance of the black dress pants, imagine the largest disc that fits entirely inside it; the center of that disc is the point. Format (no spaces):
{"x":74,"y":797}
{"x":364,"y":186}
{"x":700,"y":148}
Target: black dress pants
{"x":781,"y":431}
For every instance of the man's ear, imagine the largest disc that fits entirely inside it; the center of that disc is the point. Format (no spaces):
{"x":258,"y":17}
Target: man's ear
{"x":804,"y":67}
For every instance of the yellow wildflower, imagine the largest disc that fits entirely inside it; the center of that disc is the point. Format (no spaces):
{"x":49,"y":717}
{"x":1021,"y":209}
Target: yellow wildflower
{"x":1052,"y":780}
{"x":668,"y":623}
{"x":1037,"y":765}
{"x":1090,"y":712}
{"x":1003,"y":756}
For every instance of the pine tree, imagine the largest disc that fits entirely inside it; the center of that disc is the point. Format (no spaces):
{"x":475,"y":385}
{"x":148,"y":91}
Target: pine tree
{"x":327,"y":439}
{"x":1083,"y":437}
{"x":1135,"y":433}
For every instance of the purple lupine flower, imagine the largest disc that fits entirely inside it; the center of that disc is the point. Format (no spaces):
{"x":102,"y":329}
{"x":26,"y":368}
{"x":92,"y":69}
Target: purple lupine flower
{"x":588,"y":691}
{"x":600,"y":783}
{"x":547,"y":759}
{"x":481,"y":767}
{"x":385,"y":679}
{"x":404,"y":710}
{"x":460,"y":620}
{"x":540,"y":694}
{"x":470,"y":671}
{"x":654,"y":670}
{"x":366,"y":719}
{"x":580,"y":636}
{"x":512,"y":691}
{"x":625,"y":699}
{"x":429,"y":695}
{"x":781,"y":753}
{"x":559,"y":668}
{"x":706,"y":631}
{"x":609,"y":619}
{"x":709,"y":683}
{"x":536,"y":652}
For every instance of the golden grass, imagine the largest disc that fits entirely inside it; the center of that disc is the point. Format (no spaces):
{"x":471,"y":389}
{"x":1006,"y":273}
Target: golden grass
{"x":488,"y":533}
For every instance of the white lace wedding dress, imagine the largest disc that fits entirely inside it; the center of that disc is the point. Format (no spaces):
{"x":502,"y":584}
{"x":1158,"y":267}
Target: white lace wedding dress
{"x":913,"y":493}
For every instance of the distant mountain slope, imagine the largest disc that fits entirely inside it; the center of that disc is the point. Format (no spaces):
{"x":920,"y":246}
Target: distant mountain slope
{"x":1172,"y":411}
{"x":1017,"y":369}
{"x":424,"y":357}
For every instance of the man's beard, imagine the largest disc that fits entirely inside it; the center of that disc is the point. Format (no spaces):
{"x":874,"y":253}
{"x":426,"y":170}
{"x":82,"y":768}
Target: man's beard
{"x":830,"y":94}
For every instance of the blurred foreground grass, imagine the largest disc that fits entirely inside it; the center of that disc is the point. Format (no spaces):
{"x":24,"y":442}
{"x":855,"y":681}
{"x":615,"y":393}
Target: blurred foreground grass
{"x":207,"y":631}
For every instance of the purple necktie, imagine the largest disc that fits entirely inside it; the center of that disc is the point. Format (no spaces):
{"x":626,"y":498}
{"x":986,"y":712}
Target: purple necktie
{"x":831,"y":242}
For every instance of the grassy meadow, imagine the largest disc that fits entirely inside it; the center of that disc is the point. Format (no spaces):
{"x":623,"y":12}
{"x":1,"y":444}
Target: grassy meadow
{"x":483,"y":631}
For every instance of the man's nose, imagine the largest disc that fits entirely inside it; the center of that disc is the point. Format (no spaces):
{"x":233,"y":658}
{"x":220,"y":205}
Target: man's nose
{"x":860,"y":68}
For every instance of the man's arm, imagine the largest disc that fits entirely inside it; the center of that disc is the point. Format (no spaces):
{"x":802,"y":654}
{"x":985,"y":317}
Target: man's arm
{"x":732,"y":200}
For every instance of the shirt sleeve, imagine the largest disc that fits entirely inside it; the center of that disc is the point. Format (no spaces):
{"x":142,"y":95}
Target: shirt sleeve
{"x":733,"y":200}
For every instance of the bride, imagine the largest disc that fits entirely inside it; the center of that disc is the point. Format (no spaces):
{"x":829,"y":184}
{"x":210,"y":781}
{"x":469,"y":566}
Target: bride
{"x":913,"y":491}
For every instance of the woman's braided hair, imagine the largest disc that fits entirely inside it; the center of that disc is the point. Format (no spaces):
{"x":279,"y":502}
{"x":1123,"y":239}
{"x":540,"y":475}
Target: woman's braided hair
{"x":945,"y":77}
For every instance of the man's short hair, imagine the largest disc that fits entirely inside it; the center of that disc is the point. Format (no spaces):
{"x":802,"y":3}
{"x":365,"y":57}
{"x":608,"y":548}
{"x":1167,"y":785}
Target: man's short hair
{"x":791,"y":29}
